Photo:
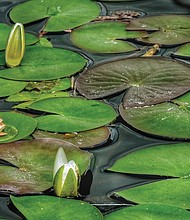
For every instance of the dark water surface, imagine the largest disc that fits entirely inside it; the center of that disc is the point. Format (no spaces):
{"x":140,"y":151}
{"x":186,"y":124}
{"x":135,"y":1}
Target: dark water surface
{"x":99,"y":184}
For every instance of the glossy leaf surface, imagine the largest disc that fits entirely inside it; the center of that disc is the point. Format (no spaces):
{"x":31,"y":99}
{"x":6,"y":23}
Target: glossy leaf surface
{"x":170,"y":29}
{"x":9,"y":87}
{"x":35,"y":160}
{"x":55,"y":208}
{"x":25,"y":125}
{"x":103,"y":37}
{"x":73,"y":114}
{"x":44,"y":63}
{"x":61,"y":14}
{"x":149,"y":81}
{"x":149,"y":212}
{"x":4,"y":33}
{"x":86,"y":139}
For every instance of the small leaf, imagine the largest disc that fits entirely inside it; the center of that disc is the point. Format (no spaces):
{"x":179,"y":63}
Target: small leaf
{"x":55,"y":208}
{"x":183,"y":51}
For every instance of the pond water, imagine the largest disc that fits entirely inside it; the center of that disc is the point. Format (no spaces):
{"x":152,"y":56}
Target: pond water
{"x":98,"y":184}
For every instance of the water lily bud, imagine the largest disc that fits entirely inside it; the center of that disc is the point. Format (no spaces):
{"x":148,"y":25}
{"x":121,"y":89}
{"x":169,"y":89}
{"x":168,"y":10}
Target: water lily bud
{"x":15,"y":46}
{"x":60,"y":160}
{"x":66,"y":180}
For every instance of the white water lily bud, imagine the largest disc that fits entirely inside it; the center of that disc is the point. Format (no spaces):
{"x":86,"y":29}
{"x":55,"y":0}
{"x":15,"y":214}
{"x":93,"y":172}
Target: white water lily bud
{"x":15,"y":46}
{"x":67,"y":179}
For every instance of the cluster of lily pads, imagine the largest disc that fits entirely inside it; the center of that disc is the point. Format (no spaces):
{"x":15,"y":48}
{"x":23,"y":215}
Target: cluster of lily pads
{"x":51,"y":114}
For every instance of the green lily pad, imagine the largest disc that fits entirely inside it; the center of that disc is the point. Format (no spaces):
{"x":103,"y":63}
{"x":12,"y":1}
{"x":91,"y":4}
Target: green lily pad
{"x":9,"y":87}
{"x":61,"y":14}
{"x":4,"y":34}
{"x":170,"y":29}
{"x":165,"y":160}
{"x":167,"y":119}
{"x":73,"y":114}
{"x":149,"y":81}
{"x":49,"y":207}
{"x":183,"y":51}
{"x":149,"y":212}
{"x":25,"y":125}
{"x":34,"y":160}
{"x":86,"y":139}
{"x":103,"y":37}
{"x":44,"y":63}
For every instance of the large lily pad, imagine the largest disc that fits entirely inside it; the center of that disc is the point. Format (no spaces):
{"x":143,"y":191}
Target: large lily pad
{"x":72,"y":114}
{"x":170,"y":29}
{"x":4,"y":34}
{"x":9,"y":87}
{"x":61,"y":14}
{"x":148,"y":212}
{"x":44,"y":63}
{"x":34,"y":160}
{"x":19,"y":126}
{"x":149,"y":81}
{"x":49,"y":207}
{"x":167,"y":119}
{"x":104,"y":37}
{"x":86,"y":139}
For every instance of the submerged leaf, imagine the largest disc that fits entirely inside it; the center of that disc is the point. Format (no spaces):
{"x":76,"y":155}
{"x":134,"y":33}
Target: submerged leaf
{"x":149,"y":81}
{"x":104,"y":37}
{"x":61,"y":14}
{"x":148,"y":212}
{"x":85,"y":139}
{"x":55,"y":208}
{"x":170,"y":29}
{"x":20,"y":126}
{"x":44,"y":63}
{"x":73,"y":114}
{"x":34,"y":164}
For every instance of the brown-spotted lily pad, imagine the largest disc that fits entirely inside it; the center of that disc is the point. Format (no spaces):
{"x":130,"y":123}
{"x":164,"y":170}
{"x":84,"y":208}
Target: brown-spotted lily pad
{"x":34,"y":161}
{"x":45,"y":63}
{"x":86,"y":139}
{"x":169,"y":29}
{"x":147,"y":80}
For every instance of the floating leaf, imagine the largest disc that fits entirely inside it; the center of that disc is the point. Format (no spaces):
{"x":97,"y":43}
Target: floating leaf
{"x":55,"y":208}
{"x":166,"y":119}
{"x":44,"y":63}
{"x":4,"y":33}
{"x":61,"y":14}
{"x":25,"y":125}
{"x":149,"y":81}
{"x":165,"y":160}
{"x":73,"y":114}
{"x":183,"y":51}
{"x":86,"y":139}
{"x":9,"y":87}
{"x":34,"y":160}
{"x":103,"y":37}
{"x":170,"y":29}
{"x":150,"y":211}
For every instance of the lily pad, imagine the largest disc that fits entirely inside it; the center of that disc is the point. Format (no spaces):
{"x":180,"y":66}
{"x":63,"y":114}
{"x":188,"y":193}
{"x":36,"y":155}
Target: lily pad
{"x":167,"y":119}
{"x":43,"y":206}
{"x":20,"y":125}
{"x":44,"y":63}
{"x":87,"y":139}
{"x":166,"y":160}
{"x":61,"y":14}
{"x":149,"y":81}
{"x":4,"y":34}
{"x":9,"y":87}
{"x":183,"y":51}
{"x":104,"y":37}
{"x":148,"y":212}
{"x":170,"y":29}
{"x":34,"y":162}
{"x":72,"y":114}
